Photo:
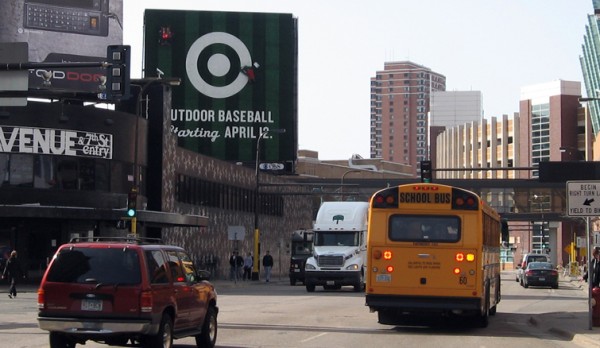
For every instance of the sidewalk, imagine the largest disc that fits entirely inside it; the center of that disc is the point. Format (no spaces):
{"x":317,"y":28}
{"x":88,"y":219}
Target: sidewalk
{"x":573,"y":326}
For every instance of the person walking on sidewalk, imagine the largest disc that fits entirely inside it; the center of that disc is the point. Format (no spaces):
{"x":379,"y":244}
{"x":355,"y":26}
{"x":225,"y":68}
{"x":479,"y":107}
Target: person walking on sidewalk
{"x":248,"y":263}
{"x":267,"y":264}
{"x":593,"y":273}
{"x":13,"y":272}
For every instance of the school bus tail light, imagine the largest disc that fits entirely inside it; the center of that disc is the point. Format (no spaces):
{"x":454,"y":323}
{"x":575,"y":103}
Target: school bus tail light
{"x":389,"y":269}
{"x":460,"y":257}
{"x":387,"y":255}
{"x":387,"y":198}
{"x":377,"y":254}
{"x":456,"y":270}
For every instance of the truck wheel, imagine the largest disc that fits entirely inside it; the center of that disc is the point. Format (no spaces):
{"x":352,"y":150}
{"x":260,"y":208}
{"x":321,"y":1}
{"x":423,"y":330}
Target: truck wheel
{"x":310,"y":287}
{"x":164,"y":337}
{"x":358,"y":287}
{"x":292,"y":281}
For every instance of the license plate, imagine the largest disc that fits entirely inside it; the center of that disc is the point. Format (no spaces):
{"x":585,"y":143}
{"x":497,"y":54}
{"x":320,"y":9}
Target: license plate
{"x":330,"y":282}
{"x":541,"y":279}
{"x":383,"y":278}
{"x":91,"y":305}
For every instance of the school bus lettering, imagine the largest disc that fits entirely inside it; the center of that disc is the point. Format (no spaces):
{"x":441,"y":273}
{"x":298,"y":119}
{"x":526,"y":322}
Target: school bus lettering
{"x":425,"y":198}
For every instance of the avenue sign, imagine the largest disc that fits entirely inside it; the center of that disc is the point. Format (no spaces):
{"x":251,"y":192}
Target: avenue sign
{"x":583,"y":198}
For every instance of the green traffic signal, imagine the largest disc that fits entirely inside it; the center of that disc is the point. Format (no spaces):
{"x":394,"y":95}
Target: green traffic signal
{"x":132,"y":203}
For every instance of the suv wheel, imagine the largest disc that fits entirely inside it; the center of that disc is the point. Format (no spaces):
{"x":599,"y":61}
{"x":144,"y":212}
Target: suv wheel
{"x":58,"y":340}
{"x":164,"y":337}
{"x":208,"y":337}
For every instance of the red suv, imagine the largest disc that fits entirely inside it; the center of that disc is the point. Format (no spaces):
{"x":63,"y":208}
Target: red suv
{"x":117,"y":290}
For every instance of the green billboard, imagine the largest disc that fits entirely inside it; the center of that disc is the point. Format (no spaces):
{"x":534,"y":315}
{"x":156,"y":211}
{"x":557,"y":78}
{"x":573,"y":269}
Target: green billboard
{"x":239,"y":79}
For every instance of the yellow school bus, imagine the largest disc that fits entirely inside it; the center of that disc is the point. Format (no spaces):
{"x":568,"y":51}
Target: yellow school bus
{"x":433,"y":252}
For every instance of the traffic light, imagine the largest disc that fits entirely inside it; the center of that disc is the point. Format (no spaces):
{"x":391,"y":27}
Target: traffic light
{"x":118,"y":71}
{"x":132,"y":203}
{"x":426,"y":171}
{"x":165,"y":36}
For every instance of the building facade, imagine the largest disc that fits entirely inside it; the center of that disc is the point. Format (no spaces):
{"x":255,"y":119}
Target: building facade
{"x":68,"y":168}
{"x":400,"y":101}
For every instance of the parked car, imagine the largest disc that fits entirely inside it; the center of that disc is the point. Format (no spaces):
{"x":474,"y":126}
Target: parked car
{"x":540,"y":274}
{"x":120,"y":290}
{"x":527,"y":258}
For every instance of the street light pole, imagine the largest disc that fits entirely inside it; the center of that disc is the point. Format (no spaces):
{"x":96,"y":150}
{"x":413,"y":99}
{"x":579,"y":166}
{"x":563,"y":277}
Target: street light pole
{"x":257,"y":200}
{"x":342,"y":181}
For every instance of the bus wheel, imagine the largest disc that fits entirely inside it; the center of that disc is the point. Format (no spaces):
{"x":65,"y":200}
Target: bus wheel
{"x":484,"y":318}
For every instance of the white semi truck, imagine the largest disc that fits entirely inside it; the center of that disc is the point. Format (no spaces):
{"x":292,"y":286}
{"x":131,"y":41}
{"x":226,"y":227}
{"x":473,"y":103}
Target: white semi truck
{"x":340,"y":249}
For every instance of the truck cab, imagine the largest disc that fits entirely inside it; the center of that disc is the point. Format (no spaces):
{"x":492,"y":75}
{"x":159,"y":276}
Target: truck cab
{"x":339,"y":251}
{"x":302,"y":249}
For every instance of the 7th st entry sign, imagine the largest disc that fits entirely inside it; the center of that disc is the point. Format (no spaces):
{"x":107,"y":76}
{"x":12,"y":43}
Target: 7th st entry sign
{"x":583,"y":198}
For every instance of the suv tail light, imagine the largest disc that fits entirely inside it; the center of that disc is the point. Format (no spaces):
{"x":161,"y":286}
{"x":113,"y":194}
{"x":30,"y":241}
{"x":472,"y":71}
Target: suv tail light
{"x":146,"y":301}
{"x":41,"y":299}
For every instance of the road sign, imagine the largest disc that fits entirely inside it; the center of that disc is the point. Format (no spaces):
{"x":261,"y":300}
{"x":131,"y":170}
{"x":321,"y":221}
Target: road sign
{"x":236,"y":232}
{"x":271,"y":166}
{"x":583,"y":198}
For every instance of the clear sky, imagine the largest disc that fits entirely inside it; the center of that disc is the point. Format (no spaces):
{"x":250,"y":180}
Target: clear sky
{"x":492,"y":46}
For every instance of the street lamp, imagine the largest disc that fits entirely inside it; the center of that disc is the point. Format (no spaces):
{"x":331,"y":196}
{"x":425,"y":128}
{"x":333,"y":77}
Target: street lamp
{"x":256,"y":201}
{"x":342,"y":181}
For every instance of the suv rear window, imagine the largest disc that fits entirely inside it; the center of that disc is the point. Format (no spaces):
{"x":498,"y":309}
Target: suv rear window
{"x":96,"y":265}
{"x":537,"y":258}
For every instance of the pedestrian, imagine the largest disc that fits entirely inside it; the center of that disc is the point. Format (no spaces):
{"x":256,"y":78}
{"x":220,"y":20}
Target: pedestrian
{"x":594,"y":269}
{"x":248,"y":263}
{"x":13,"y":272}
{"x":239,"y":264}
{"x":267,"y":264}
{"x":233,"y":271}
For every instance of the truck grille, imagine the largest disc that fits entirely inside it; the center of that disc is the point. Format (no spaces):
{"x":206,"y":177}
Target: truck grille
{"x":331,"y":261}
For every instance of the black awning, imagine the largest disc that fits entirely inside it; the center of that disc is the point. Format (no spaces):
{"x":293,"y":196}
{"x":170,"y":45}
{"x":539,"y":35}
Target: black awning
{"x":158,"y":218}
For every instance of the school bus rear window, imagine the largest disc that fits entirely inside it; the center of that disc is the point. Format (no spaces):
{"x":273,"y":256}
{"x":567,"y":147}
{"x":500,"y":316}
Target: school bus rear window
{"x":424,"y":228}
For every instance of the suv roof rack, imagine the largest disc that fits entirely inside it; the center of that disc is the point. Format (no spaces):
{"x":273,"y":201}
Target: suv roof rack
{"x":129,"y":239}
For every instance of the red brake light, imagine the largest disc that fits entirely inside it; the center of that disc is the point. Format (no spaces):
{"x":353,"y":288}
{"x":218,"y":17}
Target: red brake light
{"x":389,"y":269}
{"x":459,"y":257}
{"x":41,"y":299}
{"x":456,"y":270}
{"x":146,"y":301}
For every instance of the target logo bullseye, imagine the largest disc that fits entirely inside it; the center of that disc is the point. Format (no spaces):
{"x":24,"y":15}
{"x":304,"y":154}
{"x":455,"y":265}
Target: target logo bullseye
{"x":219,"y":65}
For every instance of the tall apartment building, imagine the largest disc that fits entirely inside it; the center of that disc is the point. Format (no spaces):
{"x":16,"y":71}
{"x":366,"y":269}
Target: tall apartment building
{"x":400,"y":96}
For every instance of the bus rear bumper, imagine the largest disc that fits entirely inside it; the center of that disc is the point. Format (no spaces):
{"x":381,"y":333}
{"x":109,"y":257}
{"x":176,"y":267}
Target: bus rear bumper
{"x":421,"y":303}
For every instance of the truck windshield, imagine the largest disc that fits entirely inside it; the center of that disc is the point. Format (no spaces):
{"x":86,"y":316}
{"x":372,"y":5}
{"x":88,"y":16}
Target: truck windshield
{"x":337,"y":239}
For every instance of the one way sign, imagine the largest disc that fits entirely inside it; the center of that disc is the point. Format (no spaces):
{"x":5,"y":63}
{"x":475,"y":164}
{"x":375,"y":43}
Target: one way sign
{"x":583,"y":198}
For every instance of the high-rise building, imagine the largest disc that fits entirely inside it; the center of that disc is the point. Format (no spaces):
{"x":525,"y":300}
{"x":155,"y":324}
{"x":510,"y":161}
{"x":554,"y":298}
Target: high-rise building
{"x":453,"y":108}
{"x":400,"y":96}
{"x":590,"y":65}
{"x":552,"y":121}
